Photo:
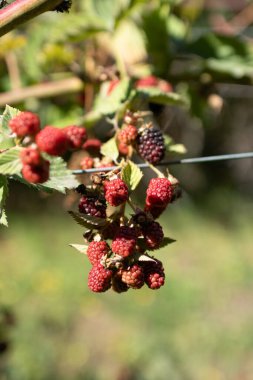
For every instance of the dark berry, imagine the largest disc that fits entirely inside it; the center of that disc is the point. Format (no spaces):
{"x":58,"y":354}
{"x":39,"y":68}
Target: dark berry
{"x":153,"y":235}
{"x":99,"y":279}
{"x":150,"y":144}
{"x":92,"y":206}
{"x":116,"y":192}
{"x":96,"y":250}
{"x":25,"y":124}
{"x":153,"y":274}
{"x":52,"y":141}
{"x":117,"y":284}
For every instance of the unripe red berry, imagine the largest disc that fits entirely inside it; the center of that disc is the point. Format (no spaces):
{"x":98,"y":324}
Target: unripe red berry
{"x":30,"y":156}
{"x":52,"y":141}
{"x":116,"y":192}
{"x":92,"y":146}
{"x":159,"y":192}
{"x":148,"y":81}
{"x":96,"y":250}
{"x":99,"y":279}
{"x":127,"y":134}
{"x":124,"y":241}
{"x":76,"y":136}
{"x":133,"y":276}
{"x":25,"y":124}
{"x":87,"y":163}
{"x":36,"y":174}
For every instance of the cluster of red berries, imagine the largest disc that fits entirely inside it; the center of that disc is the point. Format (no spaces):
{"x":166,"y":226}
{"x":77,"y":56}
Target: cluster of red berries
{"x":147,"y":140}
{"x":118,"y":247}
{"x":51,"y":140}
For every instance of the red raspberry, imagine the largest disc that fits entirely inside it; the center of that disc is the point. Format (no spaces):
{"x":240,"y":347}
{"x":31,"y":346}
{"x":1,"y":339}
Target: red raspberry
{"x":116,"y":192}
{"x":25,"y":123}
{"x":87,"y":163}
{"x":127,"y":134}
{"x":154,"y":274}
{"x":159,"y":192}
{"x":96,"y":250}
{"x":92,"y":146}
{"x":30,"y":156}
{"x":99,"y":279}
{"x":76,"y":135}
{"x":124,"y":241}
{"x":52,"y":141}
{"x":153,"y":235}
{"x":117,"y":284}
{"x":134,"y":276}
{"x":165,"y":86}
{"x":148,"y":81}
{"x":36,"y":174}
{"x":92,"y":206}
{"x":123,"y":149}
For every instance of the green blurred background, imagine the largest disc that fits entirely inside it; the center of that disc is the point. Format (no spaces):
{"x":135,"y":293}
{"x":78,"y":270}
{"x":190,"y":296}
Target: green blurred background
{"x":199,"y":325}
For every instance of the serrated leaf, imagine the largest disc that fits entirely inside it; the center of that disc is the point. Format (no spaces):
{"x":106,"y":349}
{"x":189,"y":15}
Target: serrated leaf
{"x":88,"y":221}
{"x":155,"y":95}
{"x":3,"y":196}
{"x":80,"y":248}
{"x":177,"y":148}
{"x":61,"y":178}
{"x":131,"y":175}
{"x":10,"y":162}
{"x":110,"y":149}
{"x":166,"y":241}
{"x":8,"y":114}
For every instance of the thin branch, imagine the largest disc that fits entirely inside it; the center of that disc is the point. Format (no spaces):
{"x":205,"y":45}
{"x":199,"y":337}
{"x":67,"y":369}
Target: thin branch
{"x":195,"y":160}
{"x":21,"y":11}
{"x":44,"y":90}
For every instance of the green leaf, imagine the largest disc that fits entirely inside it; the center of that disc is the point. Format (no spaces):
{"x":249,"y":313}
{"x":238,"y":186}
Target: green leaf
{"x":110,"y":149}
{"x":8,"y":114}
{"x":10,"y":162}
{"x":61,"y":178}
{"x":176,"y":148}
{"x":3,"y":196}
{"x":109,"y":104}
{"x":166,"y":241}
{"x":82,"y":248}
{"x":155,"y":95}
{"x":131,"y":175}
{"x":88,"y":221}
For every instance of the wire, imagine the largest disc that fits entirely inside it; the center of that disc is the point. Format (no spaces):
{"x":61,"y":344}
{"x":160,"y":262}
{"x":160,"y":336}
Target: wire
{"x":195,"y":160}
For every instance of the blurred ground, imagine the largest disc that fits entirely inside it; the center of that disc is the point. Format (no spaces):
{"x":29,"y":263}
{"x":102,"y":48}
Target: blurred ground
{"x":199,"y":326}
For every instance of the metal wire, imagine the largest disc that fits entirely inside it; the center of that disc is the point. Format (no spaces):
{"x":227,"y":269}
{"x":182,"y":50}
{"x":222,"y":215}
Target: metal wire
{"x":195,"y":160}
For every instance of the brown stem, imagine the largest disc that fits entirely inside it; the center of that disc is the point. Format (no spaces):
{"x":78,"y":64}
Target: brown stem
{"x":13,"y":70}
{"x":21,"y":11}
{"x":44,"y":90}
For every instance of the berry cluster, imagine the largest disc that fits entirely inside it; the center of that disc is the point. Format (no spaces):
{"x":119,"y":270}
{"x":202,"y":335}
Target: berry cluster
{"x":36,"y":142}
{"x":119,"y":246}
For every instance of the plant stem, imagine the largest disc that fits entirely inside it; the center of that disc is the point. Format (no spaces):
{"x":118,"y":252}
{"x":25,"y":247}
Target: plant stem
{"x":21,"y":11}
